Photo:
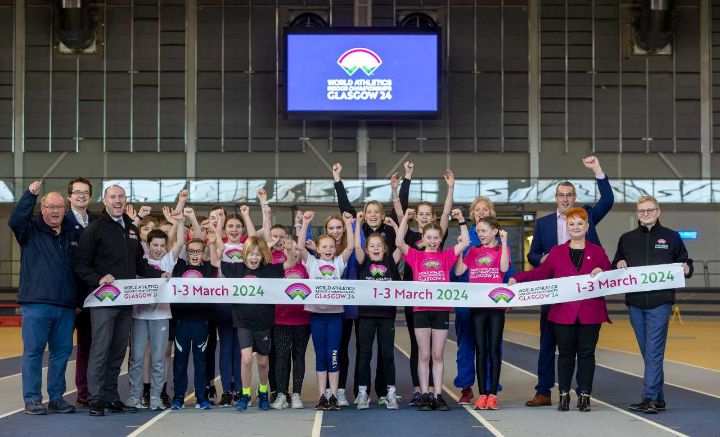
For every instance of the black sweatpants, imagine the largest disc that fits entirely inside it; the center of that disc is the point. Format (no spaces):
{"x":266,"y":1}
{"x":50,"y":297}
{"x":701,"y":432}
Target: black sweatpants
{"x":290,"y":341}
{"x":488,"y":325}
{"x":367,"y":328}
{"x":380,"y":384}
{"x":576,"y":341}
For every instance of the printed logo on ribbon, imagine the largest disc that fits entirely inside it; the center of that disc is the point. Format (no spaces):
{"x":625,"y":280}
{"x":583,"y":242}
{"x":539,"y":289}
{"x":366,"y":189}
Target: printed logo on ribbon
{"x":485,"y":260}
{"x":501,"y":294}
{"x":298,"y":290}
{"x":359,"y":59}
{"x":327,"y":270}
{"x":107,"y":292}
{"x":234,"y":254}
{"x":192,"y":274}
{"x":378,"y":269}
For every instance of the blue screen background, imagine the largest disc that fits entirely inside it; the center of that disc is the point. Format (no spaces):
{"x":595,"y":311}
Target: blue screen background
{"x":409,"y":60}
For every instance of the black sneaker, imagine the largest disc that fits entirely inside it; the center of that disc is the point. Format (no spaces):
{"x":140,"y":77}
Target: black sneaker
{"x":322,"y":403}
{"x":415,"y":401}
{"x":226,"y":400}
{"x":97,"y":409}
{"x":564,"y":402}
{"x":236,"y":395}
{"x":119,"y":407}
{"x":426,"y":402}
{"x":584,"y":405}
{"x":211,"y":393}
{"x":646,"y":406}
{"x":145,"y":400}
{"x":165,"y":398}
{"x":332,"y":404}
{"x":659,"y":405}
{"x":35,"y":408}
{"x":440,"y":404}
{"x":60,"y":406}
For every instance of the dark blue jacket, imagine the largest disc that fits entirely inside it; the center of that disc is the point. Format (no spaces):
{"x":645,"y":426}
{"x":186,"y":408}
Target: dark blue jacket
{"x":545,"y":236}
{"x":46,"y":259}
{"x":81,"y":287}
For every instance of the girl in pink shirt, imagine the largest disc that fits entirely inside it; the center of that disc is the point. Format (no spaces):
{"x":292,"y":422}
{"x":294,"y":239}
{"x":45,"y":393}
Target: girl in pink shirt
{"x":431,"y":323}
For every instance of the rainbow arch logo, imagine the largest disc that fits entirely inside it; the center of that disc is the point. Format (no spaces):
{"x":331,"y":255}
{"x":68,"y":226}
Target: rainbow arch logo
{"x":484,"y":260}
{"x":432,"y":264}
{"x":234,"y":254}
{"x":501,"y":294}
{"x":359,"y":59}
{"x":298,"y":290}
{"x":378,"y":269}
{"x":192,"y":274}
{"x":107,"y":292}
{"x":327,"y":270}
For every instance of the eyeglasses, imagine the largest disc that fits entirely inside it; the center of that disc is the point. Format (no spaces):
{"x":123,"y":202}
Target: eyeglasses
{"x":54,"y":207}
{"x":646,"y":211}
{"x":565,"y":195}
{"x":80,"y":193}
{"x":195,"y":252}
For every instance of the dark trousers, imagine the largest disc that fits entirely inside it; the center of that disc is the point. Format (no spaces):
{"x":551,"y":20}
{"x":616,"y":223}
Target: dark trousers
{"x":289,"y":344}
{"x":190,"y":335}
{"x":380,"y":384}
{"x":414,"y":354}
{"x":210,"y":352}
{"x":83,"y":326}
{"x":546,"y":355}
{"x":576,"y":342}
{"x":367,"y":329}
{"x":488,"y":328}
{"x":110,"y":337}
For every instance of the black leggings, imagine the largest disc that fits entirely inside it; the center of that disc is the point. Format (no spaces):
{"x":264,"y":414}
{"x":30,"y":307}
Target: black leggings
{"x":414,"y":354}
{"x":576,"y":341}
{"x":380,"y":384}
{"x":367,"y":327}
{"x":290,"y":341}
{"x":488,"y":325}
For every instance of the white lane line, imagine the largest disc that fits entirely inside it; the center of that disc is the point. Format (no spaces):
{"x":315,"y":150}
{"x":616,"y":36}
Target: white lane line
{"x":15,"y":375}
{"x":165,"y":412}
{"x":623,"y":371}
{"x":468,"y":408}
{"x":317,"y":424}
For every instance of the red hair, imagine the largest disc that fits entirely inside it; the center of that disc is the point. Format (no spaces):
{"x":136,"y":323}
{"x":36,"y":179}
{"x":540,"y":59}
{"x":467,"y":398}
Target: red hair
{"x":577,"y":213}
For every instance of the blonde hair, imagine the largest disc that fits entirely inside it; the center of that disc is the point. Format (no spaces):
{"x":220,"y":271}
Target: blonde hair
{"x":486,"y":201}
{"x":256,"y":242}
{"x":343,"y":240}
{"x":648,"y":198}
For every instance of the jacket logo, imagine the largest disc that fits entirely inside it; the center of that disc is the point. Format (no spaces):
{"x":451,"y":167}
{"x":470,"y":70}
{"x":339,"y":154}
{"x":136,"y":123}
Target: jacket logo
{"x":661,"y":244}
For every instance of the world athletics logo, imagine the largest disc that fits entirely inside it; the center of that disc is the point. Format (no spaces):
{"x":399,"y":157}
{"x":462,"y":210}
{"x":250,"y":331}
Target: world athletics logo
{"x":298,"y":290}
{"x":378,"y":269}
{"x":192,"y":274}
{"x":234,"y":254}
{"x":501,"y":294}
{"x":359,"y":59}
{"x":327,"y":270}
{"x":486,"y":259}
{"x":432,"y":264}
{"x":107,"y":292}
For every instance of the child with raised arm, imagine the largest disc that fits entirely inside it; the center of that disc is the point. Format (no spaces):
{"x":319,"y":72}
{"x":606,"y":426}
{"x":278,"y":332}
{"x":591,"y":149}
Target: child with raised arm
{"x":326,"y":320}
{"x":431,"y":323}
{"x":487,"y":263}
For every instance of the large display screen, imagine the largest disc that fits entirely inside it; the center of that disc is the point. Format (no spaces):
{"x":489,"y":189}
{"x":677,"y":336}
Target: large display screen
{"x":362,"y":73}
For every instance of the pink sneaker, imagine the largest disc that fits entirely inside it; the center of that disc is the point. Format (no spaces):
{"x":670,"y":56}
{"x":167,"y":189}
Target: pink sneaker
{"x":481,"y":403}
{"x":492,"y":402}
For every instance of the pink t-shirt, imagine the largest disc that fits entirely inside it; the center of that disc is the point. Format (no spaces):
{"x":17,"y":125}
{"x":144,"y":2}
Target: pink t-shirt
{"x":278,"y":256}
{"x":293,"y":314}
{"x":431,"y":267}
{"x":483,"y":264}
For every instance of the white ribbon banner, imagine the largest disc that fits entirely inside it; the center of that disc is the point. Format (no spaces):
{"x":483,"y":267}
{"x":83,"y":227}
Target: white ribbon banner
{"x":386,"y":293}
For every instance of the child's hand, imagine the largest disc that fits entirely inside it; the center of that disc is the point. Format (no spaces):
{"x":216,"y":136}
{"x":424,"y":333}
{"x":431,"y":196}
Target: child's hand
{"x":449,"y":178}
{"x":262,"y":195}
{"x":310,"y":245}
{"x":308,"y":216}
{"x":409,"y":167}
{"x":184,"y":193}
{"x":144,"y":211}
{"x":409,"y":213}
{"x":360,"y":217}
{"x":189,"y":212}
{"x":390,"y":222}
{"x":244,"y":210}
{"x":394,"y":180}
{"x":273,"y":241}
{"x":130,"y":211}
{"x":337,"y":171}
{"x":347,"y":218}
{"x":457,"y":214}
{"x":503,"y":235}
{"x":169,"y":214}
{"x":177,"y":217}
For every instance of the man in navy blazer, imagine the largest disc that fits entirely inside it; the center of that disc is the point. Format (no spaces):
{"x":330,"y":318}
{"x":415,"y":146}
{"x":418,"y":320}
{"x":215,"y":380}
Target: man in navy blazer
{"x":550,"y":231}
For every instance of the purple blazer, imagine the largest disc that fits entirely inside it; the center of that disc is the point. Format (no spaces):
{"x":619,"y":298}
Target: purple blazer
{"x":559,"y":265}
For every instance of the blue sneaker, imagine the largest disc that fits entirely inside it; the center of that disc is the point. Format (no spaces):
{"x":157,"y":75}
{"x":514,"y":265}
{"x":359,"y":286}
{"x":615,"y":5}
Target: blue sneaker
{"x":263,"y":401}
{"x":243,"y":403}
{"x":177,"y":404}
{"x":203,"y":404}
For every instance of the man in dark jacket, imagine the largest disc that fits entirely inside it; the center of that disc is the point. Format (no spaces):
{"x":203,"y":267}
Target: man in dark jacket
{"x":651,"y":244}
{"x":46,"y":296}
{"x":110,"y":249}
{"x":550,"y":231}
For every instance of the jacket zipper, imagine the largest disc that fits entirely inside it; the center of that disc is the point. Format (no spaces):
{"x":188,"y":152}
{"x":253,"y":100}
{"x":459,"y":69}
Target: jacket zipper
{"x":647,"y":262}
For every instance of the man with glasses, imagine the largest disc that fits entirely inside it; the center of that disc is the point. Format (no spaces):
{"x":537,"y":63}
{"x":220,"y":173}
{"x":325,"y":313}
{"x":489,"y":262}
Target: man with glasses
{"x":551,"y":230}
{"x":651,"y":244}
{"x":110,"y":249}
{"x":79,"y":195}
{"x":46,"y":296}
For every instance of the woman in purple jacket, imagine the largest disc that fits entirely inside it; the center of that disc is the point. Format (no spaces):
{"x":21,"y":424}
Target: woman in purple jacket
{"x":577,"y":324}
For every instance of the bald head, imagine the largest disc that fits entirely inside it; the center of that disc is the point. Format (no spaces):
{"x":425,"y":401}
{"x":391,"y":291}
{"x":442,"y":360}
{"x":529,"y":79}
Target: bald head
{"x":115,"y":200}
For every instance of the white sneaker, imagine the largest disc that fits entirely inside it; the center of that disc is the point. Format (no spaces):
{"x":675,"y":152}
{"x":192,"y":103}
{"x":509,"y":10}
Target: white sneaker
{"x":342,"y":399}
{"x":297,"y":403}
{"x":156,"y":404}
{"x":363,"y":401}
{"x":132,"y":401}
{"x":391,"y":402}
{"x":280,"y":402}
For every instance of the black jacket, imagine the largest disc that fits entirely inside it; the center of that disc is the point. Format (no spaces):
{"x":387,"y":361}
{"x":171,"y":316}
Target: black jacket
{"x":106,"y":248}
{"x":46,"y":259}
{"x":648,"y":247}
{"x":80,"y":285}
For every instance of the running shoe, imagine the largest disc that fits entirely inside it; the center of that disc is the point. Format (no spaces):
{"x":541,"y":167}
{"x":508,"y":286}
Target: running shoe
{"x":659,"y":405}
{"x":341,"y":398}
{"x":440,"y":404}
{"x":132,"y":401}
{"x":203,"y":404}
{"x":263,"y":401}
{"x":236,"y":395}
{"x":211,"y":393}
{"x":322,"y":403}
{"x":280,"y":402}
{"x":243,"y":403}
{"x":584,"y":403}
{"x":297,"y":402}
{"x":426,"y":402}
{"x":145,"y":400}
{"x":333,"y":404}
{"x":165,"y":398}
{"x":177,"y":404}
{"x":481,"y":403}
{"x":363,"y":401}
{"x":564,"y":402}
{"x":226,"y":400}
{"x":492,"y":402}
{"x":466,"y":396}
{"x":415,"y":401}
{"x":391,"y":402}
{"x":156,"y":404}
